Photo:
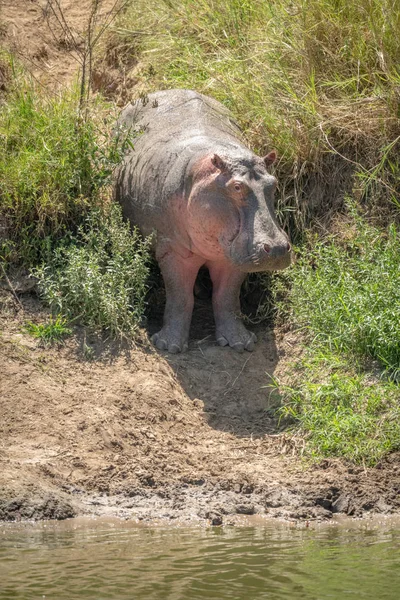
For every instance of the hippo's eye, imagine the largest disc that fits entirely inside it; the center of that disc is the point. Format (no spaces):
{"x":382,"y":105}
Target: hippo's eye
{"x":237,"y":187}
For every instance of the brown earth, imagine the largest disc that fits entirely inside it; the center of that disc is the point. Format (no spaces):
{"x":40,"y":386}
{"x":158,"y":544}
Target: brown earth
{"x":96,"y":428}
{"x":140,"y":434}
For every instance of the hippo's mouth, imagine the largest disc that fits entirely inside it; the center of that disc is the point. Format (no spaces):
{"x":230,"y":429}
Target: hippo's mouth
{"x":257,"y":262}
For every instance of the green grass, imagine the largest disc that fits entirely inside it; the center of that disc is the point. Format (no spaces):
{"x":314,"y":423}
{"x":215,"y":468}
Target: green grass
{"x":347,"y":293}
{"x":342,"y":410}
{"x":344,"y":294}
{"x":56,"y":167}
{"x":53,"y":167}
{"x":49,"y":333}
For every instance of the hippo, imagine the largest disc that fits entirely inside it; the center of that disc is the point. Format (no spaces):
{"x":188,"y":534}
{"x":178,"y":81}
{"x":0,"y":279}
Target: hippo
{"x":189,"y":179}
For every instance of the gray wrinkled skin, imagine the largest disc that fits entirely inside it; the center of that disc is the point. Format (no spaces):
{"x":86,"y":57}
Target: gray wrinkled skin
{"x":208,"y":199}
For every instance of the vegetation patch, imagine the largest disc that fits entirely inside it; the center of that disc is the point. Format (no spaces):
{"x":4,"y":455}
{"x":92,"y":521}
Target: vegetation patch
{"x":49,"y":333}
{"x":342,"y":409}
{"x":54,"y":165}
{"x":345,"y":293}
{"x":98,"y":277}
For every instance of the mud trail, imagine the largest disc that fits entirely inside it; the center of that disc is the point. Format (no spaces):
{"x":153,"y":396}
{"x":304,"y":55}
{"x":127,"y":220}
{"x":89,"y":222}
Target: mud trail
{"x":140,"y":434}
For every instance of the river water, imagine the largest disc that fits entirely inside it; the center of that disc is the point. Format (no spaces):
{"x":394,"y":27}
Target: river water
{"x":110,"y":560}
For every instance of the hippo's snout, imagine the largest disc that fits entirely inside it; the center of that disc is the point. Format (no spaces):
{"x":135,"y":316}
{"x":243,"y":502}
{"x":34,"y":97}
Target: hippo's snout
{"x":274,"y":255}
{"x":271,"y":255}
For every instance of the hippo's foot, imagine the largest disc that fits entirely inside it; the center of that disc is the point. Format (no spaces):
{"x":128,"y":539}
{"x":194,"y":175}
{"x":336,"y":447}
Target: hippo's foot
{"x":170,"y":341}
{"x":235,"y":334}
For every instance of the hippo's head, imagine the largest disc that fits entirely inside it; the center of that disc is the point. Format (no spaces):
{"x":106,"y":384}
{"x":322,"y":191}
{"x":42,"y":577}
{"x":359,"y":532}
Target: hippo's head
{"x":232,"y":211}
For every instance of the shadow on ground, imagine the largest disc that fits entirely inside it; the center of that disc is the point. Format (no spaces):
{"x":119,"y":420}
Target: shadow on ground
{"x":235,"y":389}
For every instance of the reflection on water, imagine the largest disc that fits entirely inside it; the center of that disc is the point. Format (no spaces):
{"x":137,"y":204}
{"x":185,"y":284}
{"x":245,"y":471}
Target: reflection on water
{"x":275,"y":561}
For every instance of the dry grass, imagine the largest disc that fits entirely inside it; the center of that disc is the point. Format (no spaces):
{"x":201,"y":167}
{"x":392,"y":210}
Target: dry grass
{"x":317,"y":79}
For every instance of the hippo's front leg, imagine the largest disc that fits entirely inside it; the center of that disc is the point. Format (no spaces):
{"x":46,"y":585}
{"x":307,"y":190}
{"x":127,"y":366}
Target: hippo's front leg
{"x":179,"y":273}
{"x":230,"y":330}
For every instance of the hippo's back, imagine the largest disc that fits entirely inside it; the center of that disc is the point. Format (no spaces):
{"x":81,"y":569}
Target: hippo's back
{"x":175,"y":114}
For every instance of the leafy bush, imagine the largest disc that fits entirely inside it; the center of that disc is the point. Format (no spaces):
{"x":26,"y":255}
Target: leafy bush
{"x":99,"y":277}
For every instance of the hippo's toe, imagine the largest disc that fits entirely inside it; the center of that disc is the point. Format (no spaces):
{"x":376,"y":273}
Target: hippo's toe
{"x":238,"y":338}
{"x":163,"y":341}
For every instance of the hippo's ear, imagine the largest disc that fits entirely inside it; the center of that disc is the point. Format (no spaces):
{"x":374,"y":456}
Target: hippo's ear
{"x":219,"y":163}
{"x":270,"y":158}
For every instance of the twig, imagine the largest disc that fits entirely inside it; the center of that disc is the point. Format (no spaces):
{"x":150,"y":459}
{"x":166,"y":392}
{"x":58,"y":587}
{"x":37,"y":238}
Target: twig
{"x":14,"y":293}
{"x":235,"y":380}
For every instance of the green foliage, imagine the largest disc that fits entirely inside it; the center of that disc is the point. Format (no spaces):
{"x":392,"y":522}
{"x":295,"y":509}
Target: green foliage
{"x":347,"y":294}
{"x":342,"y":411}
{"x":99,"y":277}
{"x":53,"y":166}
{"x":344,"y":292}
{"x":49,"y":333}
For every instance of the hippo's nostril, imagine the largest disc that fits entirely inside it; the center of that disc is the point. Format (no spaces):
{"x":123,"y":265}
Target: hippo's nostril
{"x":288,"y":247}
{"x":267,"y":248}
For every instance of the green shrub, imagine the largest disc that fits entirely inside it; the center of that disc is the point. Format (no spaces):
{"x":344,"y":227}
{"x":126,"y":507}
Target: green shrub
{"x":99,"y":277}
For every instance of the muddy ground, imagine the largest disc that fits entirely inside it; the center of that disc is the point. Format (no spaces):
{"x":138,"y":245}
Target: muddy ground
{"x":136,"y":433}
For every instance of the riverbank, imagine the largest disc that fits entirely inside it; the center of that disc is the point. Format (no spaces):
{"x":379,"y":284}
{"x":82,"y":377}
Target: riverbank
{"x":93,"y":427}
{"x":134,"y":433}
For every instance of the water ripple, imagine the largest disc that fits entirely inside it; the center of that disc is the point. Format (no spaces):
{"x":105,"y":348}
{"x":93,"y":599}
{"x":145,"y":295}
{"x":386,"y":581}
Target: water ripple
{"x":272,"y":562}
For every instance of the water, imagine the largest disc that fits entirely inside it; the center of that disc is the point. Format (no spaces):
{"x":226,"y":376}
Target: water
{"x":108,"y":560}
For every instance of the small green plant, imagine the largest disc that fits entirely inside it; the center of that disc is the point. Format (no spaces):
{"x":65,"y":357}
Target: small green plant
{"x":49,"y":333}
{"x":99,"y":276}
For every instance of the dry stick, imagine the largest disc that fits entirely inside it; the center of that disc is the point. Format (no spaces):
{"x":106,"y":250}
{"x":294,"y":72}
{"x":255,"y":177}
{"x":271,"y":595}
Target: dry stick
{"x":241,"y":371}
{"x":77,"y":50}
{"x":63,"y":23}
{"x":14,"y":293}
{"x":90,"y":44}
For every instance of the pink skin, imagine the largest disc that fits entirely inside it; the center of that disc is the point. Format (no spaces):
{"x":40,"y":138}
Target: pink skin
{"x":210,"y":221}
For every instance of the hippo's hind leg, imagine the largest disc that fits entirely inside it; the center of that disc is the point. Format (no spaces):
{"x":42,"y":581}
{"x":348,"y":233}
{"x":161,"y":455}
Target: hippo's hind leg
{"x":179,"y":274}
{"x":230,"y":330}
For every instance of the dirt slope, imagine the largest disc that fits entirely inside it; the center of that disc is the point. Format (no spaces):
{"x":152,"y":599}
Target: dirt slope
{"x":137,"y":433}
{"x":35,"y":34}
{"x":140,"y":434}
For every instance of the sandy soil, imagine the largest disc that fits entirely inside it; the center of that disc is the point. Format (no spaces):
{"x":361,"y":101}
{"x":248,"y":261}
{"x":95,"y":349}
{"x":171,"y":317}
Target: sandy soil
{"x":136,"y":433}
{"x":139,"y":434}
